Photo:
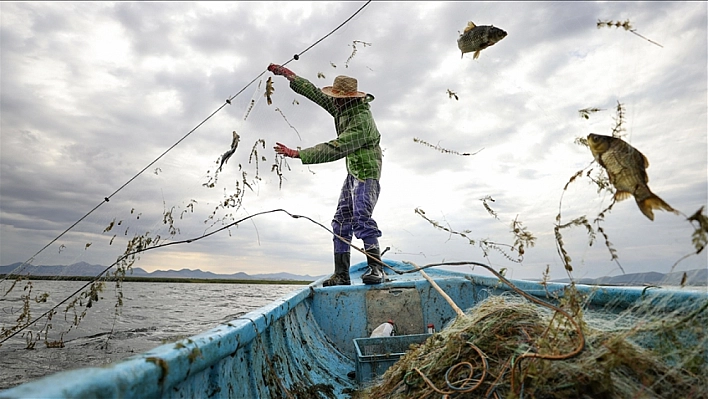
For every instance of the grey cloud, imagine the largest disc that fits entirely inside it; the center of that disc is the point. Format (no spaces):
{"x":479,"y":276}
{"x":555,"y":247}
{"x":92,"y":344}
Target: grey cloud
{"x":148,"y":25}
{"x":117,"y":132}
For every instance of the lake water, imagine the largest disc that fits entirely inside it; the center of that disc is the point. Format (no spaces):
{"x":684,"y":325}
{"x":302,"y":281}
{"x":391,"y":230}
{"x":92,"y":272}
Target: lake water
{"x":152,"y":314}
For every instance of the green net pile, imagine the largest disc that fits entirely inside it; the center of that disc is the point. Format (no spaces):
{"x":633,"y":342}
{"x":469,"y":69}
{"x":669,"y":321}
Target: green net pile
{"x":507,"y":347}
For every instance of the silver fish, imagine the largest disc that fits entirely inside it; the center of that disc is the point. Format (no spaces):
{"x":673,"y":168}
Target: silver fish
{"x":477,"y":38}
{"x":231,"y":151}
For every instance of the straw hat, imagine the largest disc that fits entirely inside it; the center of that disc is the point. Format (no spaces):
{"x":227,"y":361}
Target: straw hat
{"x":343,"y":87}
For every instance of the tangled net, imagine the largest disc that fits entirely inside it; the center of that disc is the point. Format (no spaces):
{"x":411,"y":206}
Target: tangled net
{"x":625,"y":355}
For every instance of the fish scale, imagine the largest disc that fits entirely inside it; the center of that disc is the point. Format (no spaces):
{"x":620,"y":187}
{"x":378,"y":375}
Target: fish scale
{"x":625,"y":163}
{"x":626,"y":169}
{"x":477,"y":38}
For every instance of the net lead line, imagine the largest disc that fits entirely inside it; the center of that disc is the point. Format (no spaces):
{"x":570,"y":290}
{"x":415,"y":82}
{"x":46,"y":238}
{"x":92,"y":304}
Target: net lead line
{"x":228,"y":102}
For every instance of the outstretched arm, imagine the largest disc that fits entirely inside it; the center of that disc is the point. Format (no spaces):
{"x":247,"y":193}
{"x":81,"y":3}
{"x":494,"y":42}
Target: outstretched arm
{"x":362,"y":133}
{"x":305,"y":88}
{"x":285,"y":151}
{"x":282,"y":71}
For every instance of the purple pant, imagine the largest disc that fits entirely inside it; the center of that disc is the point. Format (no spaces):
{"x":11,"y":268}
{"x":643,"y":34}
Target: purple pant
{"x":353,"y":215}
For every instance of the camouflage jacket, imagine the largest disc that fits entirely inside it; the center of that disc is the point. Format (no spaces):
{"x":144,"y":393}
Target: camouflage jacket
{"x":357,"y":135}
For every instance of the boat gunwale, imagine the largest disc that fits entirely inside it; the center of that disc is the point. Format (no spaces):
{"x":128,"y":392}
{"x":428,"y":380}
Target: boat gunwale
{"x":146,"y":374}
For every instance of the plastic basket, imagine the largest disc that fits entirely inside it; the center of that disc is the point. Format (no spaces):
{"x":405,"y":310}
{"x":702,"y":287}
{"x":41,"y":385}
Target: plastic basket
{"x":376,"y":355}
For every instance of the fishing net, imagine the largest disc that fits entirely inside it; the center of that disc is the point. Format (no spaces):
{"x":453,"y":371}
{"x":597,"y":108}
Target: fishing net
{"x":220,"y":205}
{"x":212,"y":196}
{"x":358,"y":141}
{"x":509,"y":347}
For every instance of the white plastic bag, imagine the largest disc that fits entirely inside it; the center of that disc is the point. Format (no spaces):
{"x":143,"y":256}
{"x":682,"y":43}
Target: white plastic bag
{"x":383,"y":330}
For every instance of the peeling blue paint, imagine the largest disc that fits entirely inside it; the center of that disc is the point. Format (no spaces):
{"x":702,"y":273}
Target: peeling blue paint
{"x":301,"y":340}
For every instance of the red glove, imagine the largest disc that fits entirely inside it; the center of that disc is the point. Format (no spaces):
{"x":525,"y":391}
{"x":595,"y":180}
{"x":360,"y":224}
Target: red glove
{"x":286,"y":152}
{"x":281,"y":70}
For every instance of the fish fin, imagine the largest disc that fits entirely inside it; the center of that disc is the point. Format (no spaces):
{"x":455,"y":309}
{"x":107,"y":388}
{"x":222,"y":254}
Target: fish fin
{"x":647,"y":206}
{"x":476,"y":54}
{"x":226,"y":157}
{"x":622,"y":195}
{"x":469,"y":27}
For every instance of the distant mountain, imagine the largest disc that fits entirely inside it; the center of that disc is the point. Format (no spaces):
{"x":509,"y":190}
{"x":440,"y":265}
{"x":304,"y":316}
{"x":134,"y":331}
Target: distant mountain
{"x":86,"y":270}
{"x":696,"y":277}
{"x":77,"y":269}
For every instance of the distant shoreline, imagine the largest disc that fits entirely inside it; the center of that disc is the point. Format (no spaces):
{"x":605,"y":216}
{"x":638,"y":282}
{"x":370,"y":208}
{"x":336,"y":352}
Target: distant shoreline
{"x":167,"y":280}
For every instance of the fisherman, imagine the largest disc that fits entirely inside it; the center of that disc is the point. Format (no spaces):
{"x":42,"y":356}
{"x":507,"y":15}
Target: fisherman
{"x":357,"y":141}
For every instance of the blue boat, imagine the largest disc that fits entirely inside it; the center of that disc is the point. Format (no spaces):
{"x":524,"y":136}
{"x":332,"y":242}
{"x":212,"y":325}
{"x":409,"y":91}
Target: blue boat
{"x":310,"y":344}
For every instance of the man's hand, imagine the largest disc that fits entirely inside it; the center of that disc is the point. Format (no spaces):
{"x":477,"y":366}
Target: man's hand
{"x":282,"y":71}
{"x":285,"y":151}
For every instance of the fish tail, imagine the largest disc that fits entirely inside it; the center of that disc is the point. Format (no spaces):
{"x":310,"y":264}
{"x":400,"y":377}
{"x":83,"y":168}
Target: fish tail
{"x":648,"y":204}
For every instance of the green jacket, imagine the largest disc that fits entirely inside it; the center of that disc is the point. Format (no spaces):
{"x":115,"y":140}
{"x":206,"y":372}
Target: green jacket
{"x":357,"y":136}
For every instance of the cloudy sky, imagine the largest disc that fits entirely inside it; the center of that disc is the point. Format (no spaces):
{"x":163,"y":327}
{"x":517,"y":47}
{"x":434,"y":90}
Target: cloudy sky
{"x":92,"y":93}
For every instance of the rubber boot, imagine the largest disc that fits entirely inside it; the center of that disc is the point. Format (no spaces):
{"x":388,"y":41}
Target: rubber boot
{"x":375,"y":273}
{"x":341,"y":270}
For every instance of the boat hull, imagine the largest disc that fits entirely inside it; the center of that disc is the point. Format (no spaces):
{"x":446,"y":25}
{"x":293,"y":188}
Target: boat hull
{"x":301,"y":345}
